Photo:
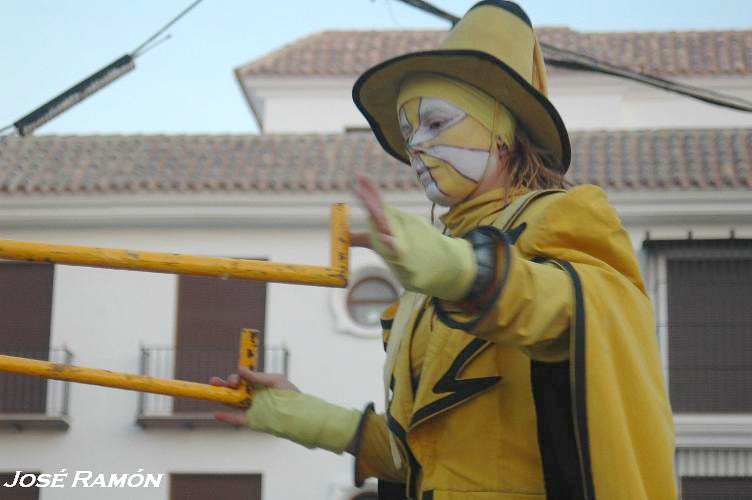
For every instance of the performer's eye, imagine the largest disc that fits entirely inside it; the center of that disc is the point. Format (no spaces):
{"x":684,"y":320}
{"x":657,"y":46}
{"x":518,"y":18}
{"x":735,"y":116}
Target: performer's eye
{"x":436,"y":124}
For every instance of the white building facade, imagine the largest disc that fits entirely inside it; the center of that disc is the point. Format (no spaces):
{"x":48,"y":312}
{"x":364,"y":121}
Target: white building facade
{"x":679,"y":173}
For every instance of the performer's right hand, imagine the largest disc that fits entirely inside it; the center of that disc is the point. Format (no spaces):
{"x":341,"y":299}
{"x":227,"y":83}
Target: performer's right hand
{"x":268,"y":380}
{"x":280,"y":409}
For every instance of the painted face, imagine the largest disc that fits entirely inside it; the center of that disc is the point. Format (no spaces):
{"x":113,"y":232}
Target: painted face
{"x":448,"y":148}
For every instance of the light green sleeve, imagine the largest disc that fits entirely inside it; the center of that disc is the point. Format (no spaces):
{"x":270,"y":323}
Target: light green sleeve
{"x":302,"y":418}
{"x":424,"y":260}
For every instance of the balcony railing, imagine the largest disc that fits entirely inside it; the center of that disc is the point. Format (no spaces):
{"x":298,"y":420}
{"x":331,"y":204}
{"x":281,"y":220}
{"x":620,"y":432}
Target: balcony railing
{"x":195,"y":365}
{"x":28,"y":402}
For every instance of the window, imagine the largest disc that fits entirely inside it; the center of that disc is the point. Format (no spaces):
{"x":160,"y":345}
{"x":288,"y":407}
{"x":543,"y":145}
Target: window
{"x":220,"y":486}
{"x":18,"y":492}
{"x":25,"y":315}
{"x":368,"y":298}
{"x":211,"y":314}
{"x":707,"y":322}
{"x":716,"y":488}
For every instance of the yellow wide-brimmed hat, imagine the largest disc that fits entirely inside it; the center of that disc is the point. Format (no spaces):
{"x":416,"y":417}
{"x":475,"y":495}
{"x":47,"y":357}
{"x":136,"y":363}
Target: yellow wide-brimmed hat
{"x":494,"y":48}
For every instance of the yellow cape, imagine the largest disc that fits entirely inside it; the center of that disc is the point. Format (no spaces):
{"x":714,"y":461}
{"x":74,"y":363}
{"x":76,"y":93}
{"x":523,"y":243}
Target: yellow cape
{"x":619,"y":404}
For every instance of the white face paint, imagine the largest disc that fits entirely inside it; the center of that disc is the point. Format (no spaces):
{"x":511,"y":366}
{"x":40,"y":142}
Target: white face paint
{"x":448,"y":149}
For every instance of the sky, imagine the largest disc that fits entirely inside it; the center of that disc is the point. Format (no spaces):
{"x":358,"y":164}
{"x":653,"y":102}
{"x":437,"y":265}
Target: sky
{"x":187,"y":84}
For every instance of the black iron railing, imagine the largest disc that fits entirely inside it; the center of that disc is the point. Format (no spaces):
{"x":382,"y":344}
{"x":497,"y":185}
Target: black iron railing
{"x":27,"y":395}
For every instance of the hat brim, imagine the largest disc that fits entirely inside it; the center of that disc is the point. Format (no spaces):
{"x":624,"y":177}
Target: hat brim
{"x":375,"y":94}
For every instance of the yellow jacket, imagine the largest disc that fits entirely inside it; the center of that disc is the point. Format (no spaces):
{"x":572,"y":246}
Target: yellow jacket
{"x":557,"y":389}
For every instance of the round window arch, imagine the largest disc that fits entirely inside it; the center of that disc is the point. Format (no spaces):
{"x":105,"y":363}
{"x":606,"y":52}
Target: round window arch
{"x":368,"y":298}
{"x":357,"y":309}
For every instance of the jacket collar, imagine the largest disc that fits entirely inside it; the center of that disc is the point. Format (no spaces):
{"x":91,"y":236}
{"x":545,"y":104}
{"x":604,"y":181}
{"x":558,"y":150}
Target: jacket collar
{"x":479,"y":210}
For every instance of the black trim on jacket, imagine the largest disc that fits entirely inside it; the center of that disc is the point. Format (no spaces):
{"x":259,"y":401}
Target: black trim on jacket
{"x":413,"y":472}
{"x":556,"y":442}
{"x":358,"y":441}
{"x":579,"y":381}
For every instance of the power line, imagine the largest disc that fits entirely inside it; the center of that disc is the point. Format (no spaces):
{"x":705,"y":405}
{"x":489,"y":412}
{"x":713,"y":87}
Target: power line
{"x":88,"y":86}
{"x":137,"y":52}
{"x":563,"y":58}
{"x":432,"y":9}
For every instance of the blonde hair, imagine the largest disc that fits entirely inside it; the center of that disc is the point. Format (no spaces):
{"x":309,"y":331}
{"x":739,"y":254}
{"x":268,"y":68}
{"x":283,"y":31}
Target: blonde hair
{"x":533,"y":167}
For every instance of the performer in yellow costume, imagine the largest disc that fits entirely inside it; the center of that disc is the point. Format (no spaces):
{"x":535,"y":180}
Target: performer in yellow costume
{"x":522,"y":361}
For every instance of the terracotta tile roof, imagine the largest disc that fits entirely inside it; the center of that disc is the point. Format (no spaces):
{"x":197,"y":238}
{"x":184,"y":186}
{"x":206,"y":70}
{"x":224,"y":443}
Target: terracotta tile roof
{"x":685,"y":53}
{"x":158,"y":164}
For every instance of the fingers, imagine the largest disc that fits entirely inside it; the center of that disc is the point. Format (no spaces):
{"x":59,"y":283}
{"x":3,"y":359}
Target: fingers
{"x":232,"y":418}
{"x":273,"y":380}
{"x":360,"y":240}
{"x":232,"y":381}
{"x":368,"y":194}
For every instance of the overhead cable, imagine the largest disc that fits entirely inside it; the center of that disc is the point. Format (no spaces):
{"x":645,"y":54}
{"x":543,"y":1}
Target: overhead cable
{"x":83,"y":89}
{"x":563,"y":58}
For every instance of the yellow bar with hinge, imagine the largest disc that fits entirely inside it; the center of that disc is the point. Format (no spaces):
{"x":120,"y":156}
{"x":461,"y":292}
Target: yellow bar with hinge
{"x":136,"y":260}
{"x":340,"y":239}
{"x":248,"y":356}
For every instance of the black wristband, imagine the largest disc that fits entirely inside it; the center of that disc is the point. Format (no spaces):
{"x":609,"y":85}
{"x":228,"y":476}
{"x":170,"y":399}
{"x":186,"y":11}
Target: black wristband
{"x":482,"y":238}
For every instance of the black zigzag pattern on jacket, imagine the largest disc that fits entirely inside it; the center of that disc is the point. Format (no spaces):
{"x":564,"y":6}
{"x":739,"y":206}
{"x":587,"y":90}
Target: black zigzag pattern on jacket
{"x":459,"y":390}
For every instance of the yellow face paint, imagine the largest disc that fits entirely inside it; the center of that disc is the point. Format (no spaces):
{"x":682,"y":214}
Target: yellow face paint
{"x":447,"y":126}
{"x":449,"y":149}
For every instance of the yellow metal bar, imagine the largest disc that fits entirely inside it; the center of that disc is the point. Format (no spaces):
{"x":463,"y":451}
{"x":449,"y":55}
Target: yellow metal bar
{"x":340,"y":239}
{"x":180,"y":388}
{"x":334,"y":276}
{"x":248,"y":355}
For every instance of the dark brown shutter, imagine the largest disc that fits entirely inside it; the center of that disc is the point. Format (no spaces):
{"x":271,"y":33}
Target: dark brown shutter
{"x":716,"y":488}
{"x":710,"y":327}
{"x":219,"y":486}
{"x":211,"y":314}
{"x":17,"y":493}
{"x":25,"y":315}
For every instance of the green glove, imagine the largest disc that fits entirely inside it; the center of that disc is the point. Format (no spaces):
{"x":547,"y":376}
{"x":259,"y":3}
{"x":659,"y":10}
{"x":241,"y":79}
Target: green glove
{"x":424,"y":260}
{"x":304,"y":419}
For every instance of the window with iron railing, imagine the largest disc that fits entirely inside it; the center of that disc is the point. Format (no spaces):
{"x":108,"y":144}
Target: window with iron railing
{"x":28,"y":402}
{"x":211,"y":313}
{"x":25,"y":318}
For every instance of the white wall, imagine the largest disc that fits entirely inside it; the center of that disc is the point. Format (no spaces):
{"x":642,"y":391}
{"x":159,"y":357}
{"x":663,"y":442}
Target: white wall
{"x":585,"y":102}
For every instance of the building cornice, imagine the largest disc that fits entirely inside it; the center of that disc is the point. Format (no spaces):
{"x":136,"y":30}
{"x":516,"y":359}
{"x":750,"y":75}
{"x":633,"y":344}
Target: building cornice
{"x":713,"y":431}
{"x":295,"y":210}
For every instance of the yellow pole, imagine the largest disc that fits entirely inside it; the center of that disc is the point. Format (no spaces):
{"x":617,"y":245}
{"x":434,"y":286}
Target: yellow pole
{"x":334,"y":276}
{"x":168,"y":387}
{"x":339,"y":244}
{"x":248,"y":356}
